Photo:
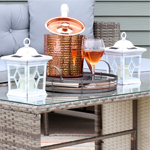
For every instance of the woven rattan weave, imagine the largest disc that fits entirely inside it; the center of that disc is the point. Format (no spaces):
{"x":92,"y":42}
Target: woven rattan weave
{"x":108,"y":31}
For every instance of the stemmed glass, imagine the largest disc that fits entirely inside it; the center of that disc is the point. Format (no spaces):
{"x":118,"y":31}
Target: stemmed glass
{"x":93,"y":52}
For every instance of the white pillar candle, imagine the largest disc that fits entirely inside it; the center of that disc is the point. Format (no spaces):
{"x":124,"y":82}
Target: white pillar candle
{"x":126,"y":70}
{"x":31,"y":83}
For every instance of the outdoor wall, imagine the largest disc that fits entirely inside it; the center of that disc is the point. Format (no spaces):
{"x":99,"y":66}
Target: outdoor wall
{"x":133,"y":15}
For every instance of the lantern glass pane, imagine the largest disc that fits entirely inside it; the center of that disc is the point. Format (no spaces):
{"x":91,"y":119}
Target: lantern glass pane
{"x":135,"y":73}
{"x":127,"y":74}
{"x":110,"y":59}
{"x":117,"y":59}
{"x":114,"y":68}
{"x":119,"y":74}
{"x":22,"y":84}
{"x":31,"y":85}
{"x":21,"y":70}
{"x":36,"y":77}
{"x":136,"y":61}
{"x":21,"y":81}
{"x":13,"y":84}
{"x":40,"y":84}
{"x":128,"y":60}
{"x":131,"y":68}
{"x":32,"y":70}
{"x":114,"y":63}
{"x":41,"y":70}
{"x":12,"y":70}
{"x":33,"y":78}
{"x":17,"y":77}
{"x":118,"y":66}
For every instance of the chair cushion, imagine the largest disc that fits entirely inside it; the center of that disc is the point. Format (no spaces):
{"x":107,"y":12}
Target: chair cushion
{"x":42,"y":10}
{"x":3,"y":71}
{"x":14,"y":27}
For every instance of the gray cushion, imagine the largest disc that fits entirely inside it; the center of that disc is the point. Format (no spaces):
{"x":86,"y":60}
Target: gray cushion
{"x":42,"y":10}
{"x":14,"y":26}
{"x":3,"y":71}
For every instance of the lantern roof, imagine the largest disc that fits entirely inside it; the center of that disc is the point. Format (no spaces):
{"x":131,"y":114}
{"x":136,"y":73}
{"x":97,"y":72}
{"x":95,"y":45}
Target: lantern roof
{"x":125,"y":46}
{"x":26,"y":51}
{"x":123,"y":43}
{"x":26,"y":54}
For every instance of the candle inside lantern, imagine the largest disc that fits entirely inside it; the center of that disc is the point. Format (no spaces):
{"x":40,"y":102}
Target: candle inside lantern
{"x":126,"y":72}
{"x":31,"y":83}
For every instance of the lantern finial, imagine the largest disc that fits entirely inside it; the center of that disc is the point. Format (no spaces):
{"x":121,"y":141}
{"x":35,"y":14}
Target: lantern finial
{"x":123,"y":35}
{"x":24,"y":42}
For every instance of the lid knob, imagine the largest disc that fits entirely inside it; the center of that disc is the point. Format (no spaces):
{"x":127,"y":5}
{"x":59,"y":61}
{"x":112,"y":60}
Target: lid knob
{"x":64,"y":10}
{"x":65,"y":26}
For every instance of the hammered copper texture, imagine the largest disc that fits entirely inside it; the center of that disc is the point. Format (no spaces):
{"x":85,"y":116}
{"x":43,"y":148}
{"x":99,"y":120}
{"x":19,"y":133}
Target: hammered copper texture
{"x":67,"y":54}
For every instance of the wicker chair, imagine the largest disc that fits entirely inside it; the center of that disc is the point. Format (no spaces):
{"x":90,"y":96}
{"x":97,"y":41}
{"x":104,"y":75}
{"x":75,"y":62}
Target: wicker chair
{"x":110,"y":33}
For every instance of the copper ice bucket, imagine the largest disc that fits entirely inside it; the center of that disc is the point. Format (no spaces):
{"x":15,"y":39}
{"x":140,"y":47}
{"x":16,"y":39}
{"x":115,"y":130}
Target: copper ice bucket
{"x":65,"y":46}
{"x":67,"y":54}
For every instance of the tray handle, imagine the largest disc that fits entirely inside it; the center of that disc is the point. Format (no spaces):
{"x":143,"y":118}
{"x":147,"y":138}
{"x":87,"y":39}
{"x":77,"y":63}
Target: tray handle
{"x":107,"y":65}
{"x":61,"y":78}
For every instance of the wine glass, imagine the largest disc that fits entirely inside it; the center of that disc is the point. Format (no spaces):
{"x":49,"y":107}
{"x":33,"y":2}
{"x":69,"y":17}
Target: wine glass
{"x":93,"y":52}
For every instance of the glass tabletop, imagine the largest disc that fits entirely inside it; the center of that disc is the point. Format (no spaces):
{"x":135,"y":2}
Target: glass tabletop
{"x":57,"y":98}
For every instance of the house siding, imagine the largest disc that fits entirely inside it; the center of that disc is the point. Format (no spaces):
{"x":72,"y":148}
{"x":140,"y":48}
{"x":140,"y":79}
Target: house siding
{"x":133,"y":16}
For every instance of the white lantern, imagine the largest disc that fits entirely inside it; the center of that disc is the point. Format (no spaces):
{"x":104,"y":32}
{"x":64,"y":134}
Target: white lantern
{"x":26,"y":72}
{"x":125,"y":60}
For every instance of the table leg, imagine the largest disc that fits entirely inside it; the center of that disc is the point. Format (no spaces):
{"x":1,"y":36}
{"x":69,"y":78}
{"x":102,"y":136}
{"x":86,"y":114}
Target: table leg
{"x":19,"y":131}
{"x":98,"y":126}
{"x":46,"y":123}
{"x":135,"y":125}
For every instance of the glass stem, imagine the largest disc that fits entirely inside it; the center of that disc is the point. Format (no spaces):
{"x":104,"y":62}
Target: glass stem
{"x":93,"y":72}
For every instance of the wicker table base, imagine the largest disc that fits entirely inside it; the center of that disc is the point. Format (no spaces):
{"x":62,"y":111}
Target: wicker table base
{"x":98,"y":138}
{"x":21,"y":129}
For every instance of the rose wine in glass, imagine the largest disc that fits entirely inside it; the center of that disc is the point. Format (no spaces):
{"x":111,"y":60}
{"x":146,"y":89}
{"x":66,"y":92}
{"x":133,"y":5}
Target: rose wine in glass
{"x":93,"y":52}
{"x":93,"y":56}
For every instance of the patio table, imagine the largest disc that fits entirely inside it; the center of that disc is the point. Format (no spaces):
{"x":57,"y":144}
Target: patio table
{"x":20,"y":121}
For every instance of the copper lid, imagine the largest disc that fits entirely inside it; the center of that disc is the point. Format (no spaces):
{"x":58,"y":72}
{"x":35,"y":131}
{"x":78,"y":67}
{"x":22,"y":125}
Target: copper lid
{"x":65,"y":25}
